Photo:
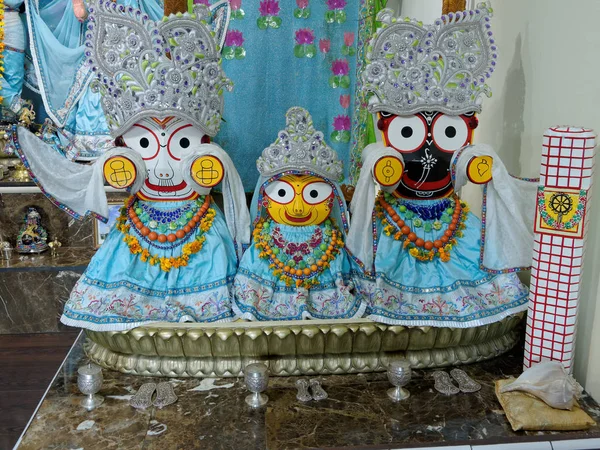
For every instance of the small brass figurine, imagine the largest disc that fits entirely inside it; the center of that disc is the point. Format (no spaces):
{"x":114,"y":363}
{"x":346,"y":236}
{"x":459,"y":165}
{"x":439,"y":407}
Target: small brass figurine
{"x":54,"y":246}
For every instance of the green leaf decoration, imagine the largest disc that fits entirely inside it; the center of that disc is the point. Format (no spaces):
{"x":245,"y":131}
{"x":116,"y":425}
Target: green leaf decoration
{"x":238,"y":14}
{"x":306,"y":13}
{"x":345,"y":82}
{"x":298,"y":13}
{"x":310,"y":51}
{"x":299,"y":51}
{"x":330,"y":16}
{"x":240,"y":53}
{"x":173,"y":42}
{"x":345,"y":50}
{"x":340,"y":16}
{"x":275,"y":22}
{"x":262,"y":22}
{"x":345,"y":136}
{"x":335,"y":136}
{"x":351,"y":51}
{"x":228,"y":52}
{"x":334,"y":81}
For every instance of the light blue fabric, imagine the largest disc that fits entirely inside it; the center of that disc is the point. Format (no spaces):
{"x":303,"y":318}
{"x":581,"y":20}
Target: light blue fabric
{"x":12,"y":79}
{"x":118,"y":291}
{"x":63,"y":77}
{"x":270,"y":79}
{"x":455,"y":293}
{"x":261,"y":296}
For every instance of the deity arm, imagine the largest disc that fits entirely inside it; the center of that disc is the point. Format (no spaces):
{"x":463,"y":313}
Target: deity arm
{"x":80,"y":10}
{"x":479,"y":169}
{"x":207,"y":165}
{"x":123,"y":168}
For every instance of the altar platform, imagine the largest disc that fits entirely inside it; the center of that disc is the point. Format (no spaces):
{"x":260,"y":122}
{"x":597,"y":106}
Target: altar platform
{"x":211,"y":414}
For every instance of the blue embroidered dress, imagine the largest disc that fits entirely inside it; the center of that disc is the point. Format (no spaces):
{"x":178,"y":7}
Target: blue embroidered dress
{"x":456,"y":293}
{"x":119,"y":290}
{"x":260,"y":295}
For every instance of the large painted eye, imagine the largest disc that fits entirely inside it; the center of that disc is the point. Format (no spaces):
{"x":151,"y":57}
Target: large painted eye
{"x":143,"y":140}
{"x":182,"y":139}
{"x":407,"y":133}
{"x":450,"y":133}
{"x":317,"y":192}
{"x":280,"y":192}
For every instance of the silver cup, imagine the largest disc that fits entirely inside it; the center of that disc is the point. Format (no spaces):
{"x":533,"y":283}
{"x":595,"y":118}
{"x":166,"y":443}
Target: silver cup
{"x":89,"y":381}
{"x":256,"y":377}
{"x":399,"y":373}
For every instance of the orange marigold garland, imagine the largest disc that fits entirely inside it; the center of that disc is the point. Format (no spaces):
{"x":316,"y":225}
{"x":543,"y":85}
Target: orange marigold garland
{"x":417,"y":247}
{"x":165,"y":264}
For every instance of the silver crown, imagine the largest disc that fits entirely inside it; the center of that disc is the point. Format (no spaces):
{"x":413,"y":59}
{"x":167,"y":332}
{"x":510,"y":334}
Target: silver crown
{"x":300,"y":147}
{"x":413,"y":67}
{"x":158,"y":69}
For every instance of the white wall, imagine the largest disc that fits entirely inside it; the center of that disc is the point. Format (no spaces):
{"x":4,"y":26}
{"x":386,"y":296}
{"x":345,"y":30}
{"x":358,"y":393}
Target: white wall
{"x":547,"y":74}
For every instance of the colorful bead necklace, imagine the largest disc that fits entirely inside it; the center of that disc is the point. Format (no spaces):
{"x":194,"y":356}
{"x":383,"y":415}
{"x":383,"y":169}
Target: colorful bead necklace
{"x":289,"y":260}
{"x":147,"y":227}
{"x":125,"y":221}
{"x":419,"y":248}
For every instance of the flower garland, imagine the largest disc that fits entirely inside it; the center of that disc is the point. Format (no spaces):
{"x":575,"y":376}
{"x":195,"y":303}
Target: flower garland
{"x":305,"y":271}
{"x":166,"y":264}
{"x":559,"y":225}
{"x":419,"y":248}
{"x":1,"y":44}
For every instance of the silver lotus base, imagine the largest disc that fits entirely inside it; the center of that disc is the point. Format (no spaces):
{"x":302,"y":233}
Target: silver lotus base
{"x":257,"y":400}
{"x":309,"y":347}
{"x":91,"y":402}
{"x":398,"y":393}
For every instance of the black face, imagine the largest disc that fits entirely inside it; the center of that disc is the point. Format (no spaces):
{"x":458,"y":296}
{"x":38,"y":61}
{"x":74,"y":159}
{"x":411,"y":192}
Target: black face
{"x":427,"y":142}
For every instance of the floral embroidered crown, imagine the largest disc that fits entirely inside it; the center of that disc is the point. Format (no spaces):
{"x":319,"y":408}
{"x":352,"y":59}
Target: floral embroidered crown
{"x":413,"y":67}
{"x":159,"y":69}
{"x":300,"y":147}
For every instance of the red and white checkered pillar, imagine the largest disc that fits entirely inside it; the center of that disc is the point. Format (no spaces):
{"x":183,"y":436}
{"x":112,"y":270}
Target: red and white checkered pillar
{"x":560,"y":225}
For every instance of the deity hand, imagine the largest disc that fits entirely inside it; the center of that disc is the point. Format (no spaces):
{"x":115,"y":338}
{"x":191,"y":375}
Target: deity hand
{"x":479,"y":169}
{"x":80,"y":10}
{"x":207,"y":171}
{"x":387,"y":171}
{"x":119,"y":172}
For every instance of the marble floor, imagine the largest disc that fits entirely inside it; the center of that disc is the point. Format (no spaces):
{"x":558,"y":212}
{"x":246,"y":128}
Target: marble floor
{"x":211,"y":414}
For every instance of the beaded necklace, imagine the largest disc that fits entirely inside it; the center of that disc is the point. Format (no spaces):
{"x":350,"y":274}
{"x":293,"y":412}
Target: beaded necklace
{"x":424,"y":250}
{"x":302,"y":262}
{"x":203,"y":220}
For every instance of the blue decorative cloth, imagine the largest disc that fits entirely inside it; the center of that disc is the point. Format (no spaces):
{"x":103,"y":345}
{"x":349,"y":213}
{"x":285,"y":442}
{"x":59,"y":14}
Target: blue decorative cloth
{"x":299,"y":59}
{"x":11,"y":79}
{"x":119,"y":291}
{"x":457,"y":293}
{"x":261,"y":296}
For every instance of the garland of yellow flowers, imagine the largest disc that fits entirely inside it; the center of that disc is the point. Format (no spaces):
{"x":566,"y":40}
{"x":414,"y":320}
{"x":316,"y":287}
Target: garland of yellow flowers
{"x":1,"y":44}
{"x":420,"y":253}
{"x":166,"y":264}
{"x":307,"y":277}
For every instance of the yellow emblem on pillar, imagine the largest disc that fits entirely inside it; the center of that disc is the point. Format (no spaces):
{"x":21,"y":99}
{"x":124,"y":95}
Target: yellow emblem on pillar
{"x":208,"y":171}
{"x":479,"y":169}
{"x":299,"y":200}
{"x":119,"y":172}
{"x":388,"y":171}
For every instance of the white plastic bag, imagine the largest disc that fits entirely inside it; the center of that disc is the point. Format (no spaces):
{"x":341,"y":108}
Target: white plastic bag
{"x":550,"y":382}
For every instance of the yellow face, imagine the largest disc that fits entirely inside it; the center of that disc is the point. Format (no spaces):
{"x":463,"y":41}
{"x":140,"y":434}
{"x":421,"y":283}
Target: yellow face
{"x":299,"y":200}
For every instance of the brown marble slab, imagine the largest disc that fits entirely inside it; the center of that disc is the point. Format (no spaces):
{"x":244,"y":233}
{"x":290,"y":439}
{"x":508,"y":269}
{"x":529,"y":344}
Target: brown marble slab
{"x":211,"y":414}
{"x":31,"y":301}
{"x":76,"y":258}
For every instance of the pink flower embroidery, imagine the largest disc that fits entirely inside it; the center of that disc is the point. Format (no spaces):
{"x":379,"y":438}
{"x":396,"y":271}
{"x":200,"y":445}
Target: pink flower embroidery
{"x":235,"y":4}
{"x":348,"y":39}
{"x":269,"y":8}
{"x":302,"y":4}
{"x":340,"y":67}
{"x":234,"y":38}
{"x":341,"y":123}
{"x":305,"y":36}
{"x":336,"y":4}
{"x":202,"y":2}
{"x":324,"y":45}
{"x":345,"y":101}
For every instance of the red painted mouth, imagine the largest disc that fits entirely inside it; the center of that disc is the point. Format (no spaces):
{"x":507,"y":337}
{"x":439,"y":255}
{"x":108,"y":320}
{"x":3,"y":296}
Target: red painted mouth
{"x":296,"y":219}
{"x":158,"y":188}
{"x":428,"y":185}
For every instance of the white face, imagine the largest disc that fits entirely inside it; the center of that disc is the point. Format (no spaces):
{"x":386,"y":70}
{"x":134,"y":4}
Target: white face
{"x":162,"y":144}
